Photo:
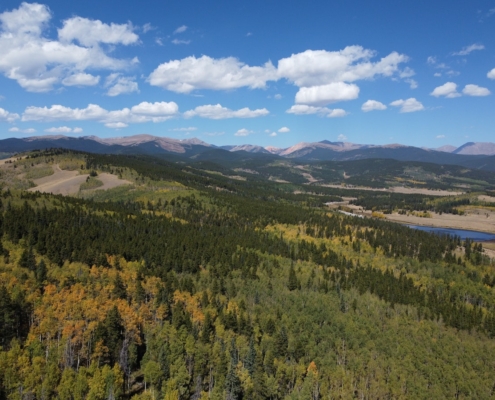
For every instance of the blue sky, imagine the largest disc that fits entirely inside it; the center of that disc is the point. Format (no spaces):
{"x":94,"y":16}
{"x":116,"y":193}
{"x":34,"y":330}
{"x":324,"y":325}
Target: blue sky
{"x":262,"y":72}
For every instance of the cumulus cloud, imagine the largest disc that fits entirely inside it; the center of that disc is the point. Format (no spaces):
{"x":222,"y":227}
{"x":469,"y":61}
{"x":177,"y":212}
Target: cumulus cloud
{"x":16,"y":129}
{"x":337,"y":113}
{"x":320,"y":67}
{"x":191,"y":73}
{"x":491,"y":74}
{"x":91,"y":32}
{"x":284,"y":130}
{"x":440,"y":137}
{"x":409,"y":105}
{"x":216,"y":111}
{"x":278,"y":96}
{"x":243,"y":132}
{"x":342,"y":138}
{"x":371,"y":105}
{"x":322,"y":76}
{"x":448,"y":90}
{"x":38,"y":63}
{"x":273,"y":134}
{"x":81,"y":79}
{"x":63,"y":129}
{"x":468,"y":49}
{"x":475,"y":90}
{"x":302,"y":109}
{"x":119,"y":84}
{"x":180,"y":29}
{"x":325,"y":94}
{"x":143,"y":112}
{"x":6,"y":116}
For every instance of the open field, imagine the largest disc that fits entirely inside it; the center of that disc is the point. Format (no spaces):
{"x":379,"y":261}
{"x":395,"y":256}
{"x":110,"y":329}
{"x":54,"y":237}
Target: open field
{"x":69,"y":182}
{"x":61,"y":182}
{"x":401,"y":189}
{"x":487,"y":199}
{"x":111,"y":181}
{"x":472,"y":221}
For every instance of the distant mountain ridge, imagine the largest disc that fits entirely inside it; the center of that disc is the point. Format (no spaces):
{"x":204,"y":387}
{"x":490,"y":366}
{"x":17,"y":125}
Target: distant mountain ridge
{"x":472,"y":155}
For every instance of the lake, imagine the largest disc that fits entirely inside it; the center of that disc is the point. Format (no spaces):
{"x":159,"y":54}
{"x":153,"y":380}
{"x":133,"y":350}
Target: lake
{"x":463,"y":234}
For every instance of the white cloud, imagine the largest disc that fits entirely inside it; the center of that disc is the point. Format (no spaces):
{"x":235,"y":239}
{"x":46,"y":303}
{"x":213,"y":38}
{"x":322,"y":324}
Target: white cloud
{"x":38,"y":63}
{"x":337,"y":113}
{"x":6,"y":116}
{"x":143,"y":112}
{"x":431,"y":60}
{"x":243,"y":132}
{"x":437,"y":74}
{"x":312,"y":68}
{"x":320,"y":67}
{"x":81,"y":79}
{"x":407,"y":73}
{"x":148,"y":27}
{"x":91,"y":32}
{"x":491,"y":74}
{"x":116,"y":125}
{"x":475,"y":90}
{"x":371,"y":105}
{"x":284,"y":130}
{"x":191,"y":73}
{"x":119,"y":84}
{"x":179,"y":41}
{"x":180,"y":29}
{"x":448,"y":90}
{"x":188,"y":129}
{"x":278,"y":96}
{"x":15,"y":129}
{"x":302,"y":109}
{"x":342,"y":138}
{"x":218,"y":112}
{"x":63,"y":129}
{"x":468,"y":49}
{"x":325,"y":94}
{"x":440,"y":137}
{"x":409,"y":105}
{"x":273,"y":134}
{"x":412,"y":83}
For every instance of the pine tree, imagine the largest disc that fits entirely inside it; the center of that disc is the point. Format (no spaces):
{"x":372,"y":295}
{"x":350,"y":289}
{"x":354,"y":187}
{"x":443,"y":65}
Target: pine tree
{"x":249,"y":361}
{"x":208,"y":328}
{"x":41,"y":273}
{"x":293,"y":284}
{"x":119,"y":290}
{"x":27,"y":259}
{"x":281,"y":343}
{"x":259,"y":380}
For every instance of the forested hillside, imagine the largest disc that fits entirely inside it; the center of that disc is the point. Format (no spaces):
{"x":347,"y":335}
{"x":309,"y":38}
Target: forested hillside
{"x":190,"y":284}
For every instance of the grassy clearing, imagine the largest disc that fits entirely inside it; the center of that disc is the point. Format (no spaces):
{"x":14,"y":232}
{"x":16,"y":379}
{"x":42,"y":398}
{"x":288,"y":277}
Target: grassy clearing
{"x":39,"y":172}
{"x":91,"y":183}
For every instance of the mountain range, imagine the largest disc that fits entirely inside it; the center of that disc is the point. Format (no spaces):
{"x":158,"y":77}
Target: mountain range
{"x":471,"y":154}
